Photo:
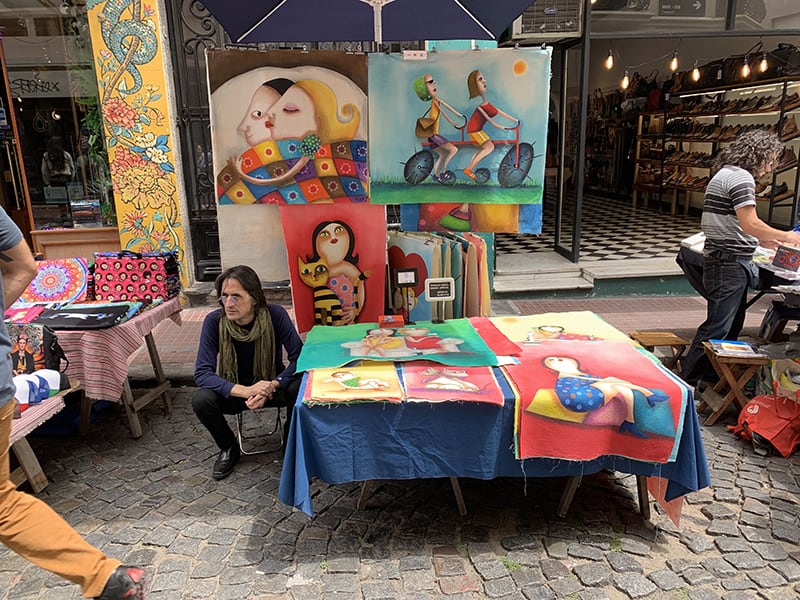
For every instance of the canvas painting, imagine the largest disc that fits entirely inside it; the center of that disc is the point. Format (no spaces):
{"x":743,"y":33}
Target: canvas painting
{"x":466,"y":128}
{"x":492,"y":218}
{"x":425,"y":381}
{"x":573,"y":325}
{"x":454,"y":343}
{"x":368,"y":382}
{"x":580,"y":400}
{"x":289,"y":127}
{"x":337,"y":262}
{"x":420,"y":254}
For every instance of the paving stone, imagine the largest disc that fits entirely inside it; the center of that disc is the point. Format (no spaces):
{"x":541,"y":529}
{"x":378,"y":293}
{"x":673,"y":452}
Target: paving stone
{"x":554,"y":569}
{"x":723,"y":527}
{"x":565,"y":586}
{"x":526,"y":558}
{"x":538,"y":592}
{"x":556,"y":549}
{"x":753,"y":535}
{"x":413,"y":563}
{"x":623,"y":563}
{"x":738,"y":584}
{"x":702,"y":594}
{"x":697,"y":576}
{"x":459,"y":584}
{"x":417,"y":580}
{"x":731,"y":495}
{"x":719,"y":567}
{"x":767,"y":578}
{"x":593,"y":574}
{"x":499,"y":588}
{"x":751,"y":505}
{"x":745,"y":560}
{"x":771,"y":551}
{"x":679,"y":565}
{"x":378,"y":590}
{"x":718,"y":511}
{"x":697,"y":543}
{"x":731,"y":544}
{"x":634,"y":585}
{"x":492,"y":569}
{"x":447,"y":566}
{"x":525,"y":577}
{"x":343,"y":564}
{"x":635,"y":547}
{"x":786,"y":532}
{"x":789,"y":569}
{"x":584,"y":551}
{"x":666,"y":580}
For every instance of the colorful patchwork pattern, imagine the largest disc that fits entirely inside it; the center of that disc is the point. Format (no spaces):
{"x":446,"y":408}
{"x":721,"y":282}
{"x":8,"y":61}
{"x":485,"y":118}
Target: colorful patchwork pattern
{"x":336,"y":173}
{"x":58,"y":280}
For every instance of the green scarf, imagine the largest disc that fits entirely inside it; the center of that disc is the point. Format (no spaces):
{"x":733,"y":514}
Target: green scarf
{"x":262,"y":333}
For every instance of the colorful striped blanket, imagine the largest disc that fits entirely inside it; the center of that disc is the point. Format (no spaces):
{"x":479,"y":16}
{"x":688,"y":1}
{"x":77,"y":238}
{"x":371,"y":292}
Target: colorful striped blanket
{"x":337,"y":172}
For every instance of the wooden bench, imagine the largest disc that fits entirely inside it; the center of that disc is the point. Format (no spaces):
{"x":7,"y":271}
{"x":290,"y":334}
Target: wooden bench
{"x":29,"y":468}
{"x":651,"y":340}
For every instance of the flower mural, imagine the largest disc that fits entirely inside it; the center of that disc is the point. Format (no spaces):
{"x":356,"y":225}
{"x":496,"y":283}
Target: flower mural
{"x":135,"y":117}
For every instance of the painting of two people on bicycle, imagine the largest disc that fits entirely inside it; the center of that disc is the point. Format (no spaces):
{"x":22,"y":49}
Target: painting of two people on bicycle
{"x":461,"y":126}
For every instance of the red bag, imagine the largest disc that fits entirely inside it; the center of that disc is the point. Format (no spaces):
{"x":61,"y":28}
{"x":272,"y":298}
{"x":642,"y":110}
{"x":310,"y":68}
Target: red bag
{"x":143,"y":277}
{"x":770,"y":421}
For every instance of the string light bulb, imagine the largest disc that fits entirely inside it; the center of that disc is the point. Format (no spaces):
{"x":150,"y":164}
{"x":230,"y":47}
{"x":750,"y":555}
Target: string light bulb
{"x":626,"y":81}
{"x":695,"y":72}
{"x":593,"y":1}
{"x":673,"y":64}
{"x":763,"y":65}
{"x":610,"y":59}
{"x":746,"y":66}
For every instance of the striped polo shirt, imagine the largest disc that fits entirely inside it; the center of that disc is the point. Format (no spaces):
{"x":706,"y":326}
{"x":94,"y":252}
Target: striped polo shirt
{"x":731,"y":188}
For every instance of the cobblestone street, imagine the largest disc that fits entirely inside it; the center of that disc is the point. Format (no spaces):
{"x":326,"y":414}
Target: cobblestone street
{"x":152,"y":502}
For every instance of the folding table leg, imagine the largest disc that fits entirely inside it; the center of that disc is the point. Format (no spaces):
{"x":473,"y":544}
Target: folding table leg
{"x":644,"y":498}
{"x":362,"y":497}
{"x":568,"y":494}
{"x":130,"y":410}
{"x":735,"y":385}
{"x":158,"y":369}
{"x":462,"y":508}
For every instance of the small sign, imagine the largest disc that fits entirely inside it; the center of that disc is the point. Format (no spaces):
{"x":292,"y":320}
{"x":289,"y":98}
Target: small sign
{"x":787,"y":258}
{"x":682,"y":8}
{"x":3,"y":118}
{"x":440,"y":289}
{"x":405,"y":277}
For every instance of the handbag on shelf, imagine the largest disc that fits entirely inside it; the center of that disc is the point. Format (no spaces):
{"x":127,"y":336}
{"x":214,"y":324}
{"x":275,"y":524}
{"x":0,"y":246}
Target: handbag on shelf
{"x":130,"y":276}
{"x":424,"y":128}
{"x":784,"y":61}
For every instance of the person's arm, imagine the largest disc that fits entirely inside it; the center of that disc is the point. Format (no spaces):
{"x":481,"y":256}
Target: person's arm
{"x":45,"y":171}
{"x":286,"y":336}
{"x":752,"y":224}
{"x":18,"y":269}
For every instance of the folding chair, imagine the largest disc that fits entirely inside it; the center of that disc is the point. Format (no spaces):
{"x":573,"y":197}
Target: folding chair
{"x":257,"y":449}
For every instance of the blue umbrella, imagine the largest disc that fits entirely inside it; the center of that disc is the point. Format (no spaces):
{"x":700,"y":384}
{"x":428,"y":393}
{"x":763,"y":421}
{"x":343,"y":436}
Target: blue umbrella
{"x":249,"y":21}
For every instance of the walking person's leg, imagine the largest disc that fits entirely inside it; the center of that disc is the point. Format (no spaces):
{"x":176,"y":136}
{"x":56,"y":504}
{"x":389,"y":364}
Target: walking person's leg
{"x":36,"y":532}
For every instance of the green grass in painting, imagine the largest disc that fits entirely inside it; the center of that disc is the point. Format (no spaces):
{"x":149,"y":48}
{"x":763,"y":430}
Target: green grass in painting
{"x":402,"y":193}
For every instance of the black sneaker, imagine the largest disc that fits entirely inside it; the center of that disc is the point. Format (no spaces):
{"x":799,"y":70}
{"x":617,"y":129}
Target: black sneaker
{"x":125,"y":583}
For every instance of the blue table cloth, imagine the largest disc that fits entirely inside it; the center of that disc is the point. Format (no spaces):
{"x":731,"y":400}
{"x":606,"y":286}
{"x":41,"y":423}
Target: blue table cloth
{"x":376,"y":440}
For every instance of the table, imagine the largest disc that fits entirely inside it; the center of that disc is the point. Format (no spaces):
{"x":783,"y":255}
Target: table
{"x":99,"y":359}
{"x":416,"y":440}
{"x":734,"y":373}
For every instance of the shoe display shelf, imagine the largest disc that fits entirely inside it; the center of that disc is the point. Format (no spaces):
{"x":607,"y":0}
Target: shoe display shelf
{"x":649,"y":159}
{"x":703,"y":122}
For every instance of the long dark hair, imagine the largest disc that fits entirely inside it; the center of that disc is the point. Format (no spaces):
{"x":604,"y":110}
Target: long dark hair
{"x":349,"y":257}
{"x":55,"y":153}
{"x":250,"y":282}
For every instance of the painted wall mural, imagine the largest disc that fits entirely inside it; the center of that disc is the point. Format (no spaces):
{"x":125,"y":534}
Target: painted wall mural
{"x":131,"y":81}
{"x":291,"y":129}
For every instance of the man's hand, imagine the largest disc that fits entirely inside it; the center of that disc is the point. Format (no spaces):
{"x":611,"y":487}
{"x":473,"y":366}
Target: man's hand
{"x":260,"y":392}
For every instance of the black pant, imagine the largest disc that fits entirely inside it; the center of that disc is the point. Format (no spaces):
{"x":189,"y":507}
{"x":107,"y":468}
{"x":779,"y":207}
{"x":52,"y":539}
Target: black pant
{"x":211,"y":408}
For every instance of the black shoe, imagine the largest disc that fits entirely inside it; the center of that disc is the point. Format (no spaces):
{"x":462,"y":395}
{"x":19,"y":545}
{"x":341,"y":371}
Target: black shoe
{"x":125,"y":583}
{"x":225,"y":462}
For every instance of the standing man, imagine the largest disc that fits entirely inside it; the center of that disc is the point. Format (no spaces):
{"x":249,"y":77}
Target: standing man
{"x":28,"y":526}
{"x":733,"y":230}
{"x":247,"y":338}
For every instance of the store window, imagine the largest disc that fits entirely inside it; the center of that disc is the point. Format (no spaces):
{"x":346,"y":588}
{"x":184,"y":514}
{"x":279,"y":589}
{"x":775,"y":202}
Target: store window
{"x":662,"y":16}
{"x":767,"y":15}
{"x":53,"y":90}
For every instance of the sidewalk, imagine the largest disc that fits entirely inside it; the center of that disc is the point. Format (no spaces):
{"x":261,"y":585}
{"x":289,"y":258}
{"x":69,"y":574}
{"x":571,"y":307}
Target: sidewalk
{"x":151,"y":501}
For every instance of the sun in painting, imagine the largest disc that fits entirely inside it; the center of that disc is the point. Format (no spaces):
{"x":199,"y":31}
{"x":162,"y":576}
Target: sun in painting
{"x":520,"y":67}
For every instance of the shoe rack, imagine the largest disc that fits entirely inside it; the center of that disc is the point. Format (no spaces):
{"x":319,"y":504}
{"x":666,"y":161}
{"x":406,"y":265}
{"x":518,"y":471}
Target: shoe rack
{"x":688,"y":136}
{"x":649,"y":159}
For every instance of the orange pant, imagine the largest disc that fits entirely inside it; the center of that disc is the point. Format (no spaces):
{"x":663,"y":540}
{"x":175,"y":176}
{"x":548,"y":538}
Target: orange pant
{"x":37,"y":533}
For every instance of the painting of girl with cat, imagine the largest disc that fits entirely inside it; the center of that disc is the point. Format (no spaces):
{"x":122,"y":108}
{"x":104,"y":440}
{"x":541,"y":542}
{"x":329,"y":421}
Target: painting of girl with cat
{"x":337,"y":259}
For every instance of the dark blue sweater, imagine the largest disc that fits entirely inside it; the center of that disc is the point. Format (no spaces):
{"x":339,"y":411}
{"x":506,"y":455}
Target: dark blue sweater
{"x":286,"y":338}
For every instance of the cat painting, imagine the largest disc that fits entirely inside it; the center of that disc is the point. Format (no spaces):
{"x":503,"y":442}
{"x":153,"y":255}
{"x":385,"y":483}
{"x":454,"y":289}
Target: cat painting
{"x":327,"y":308}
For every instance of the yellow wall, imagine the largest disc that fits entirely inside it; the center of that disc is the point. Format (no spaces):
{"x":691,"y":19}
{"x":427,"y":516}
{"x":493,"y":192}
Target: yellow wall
{"x":131,"y":81}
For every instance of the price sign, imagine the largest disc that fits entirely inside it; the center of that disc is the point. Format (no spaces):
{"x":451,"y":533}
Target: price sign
{"x":440,"y":289}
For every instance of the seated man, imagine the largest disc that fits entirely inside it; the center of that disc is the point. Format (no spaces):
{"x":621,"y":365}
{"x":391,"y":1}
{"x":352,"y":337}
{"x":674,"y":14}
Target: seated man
{"x":246,"y":337}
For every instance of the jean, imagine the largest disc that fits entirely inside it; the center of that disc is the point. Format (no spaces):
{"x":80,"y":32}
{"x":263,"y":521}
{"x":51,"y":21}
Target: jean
{"x":211,"y":408}
{"x":37,"y":533}
{"x":726,"y":281}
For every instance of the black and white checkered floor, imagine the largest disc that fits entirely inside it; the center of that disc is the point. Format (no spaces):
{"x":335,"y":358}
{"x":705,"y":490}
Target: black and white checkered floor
{"x":611,"y":229}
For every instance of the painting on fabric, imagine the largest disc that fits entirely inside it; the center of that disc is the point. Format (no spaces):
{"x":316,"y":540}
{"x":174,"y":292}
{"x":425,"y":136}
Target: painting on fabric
{"x":337,"y":262}
{"x":289,"y":127}
{"x":461,"y":127}
{"x":583,"y":399}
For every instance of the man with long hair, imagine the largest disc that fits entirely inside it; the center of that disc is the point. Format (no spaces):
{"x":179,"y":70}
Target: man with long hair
{"x":246,"y":337}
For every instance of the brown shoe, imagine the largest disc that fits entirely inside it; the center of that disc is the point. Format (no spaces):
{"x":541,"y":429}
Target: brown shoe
{"x":788,"y":128}
{"x":787,"y":160}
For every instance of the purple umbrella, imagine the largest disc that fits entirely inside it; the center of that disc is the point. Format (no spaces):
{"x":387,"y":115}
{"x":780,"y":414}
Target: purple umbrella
{"x":249,"y":21}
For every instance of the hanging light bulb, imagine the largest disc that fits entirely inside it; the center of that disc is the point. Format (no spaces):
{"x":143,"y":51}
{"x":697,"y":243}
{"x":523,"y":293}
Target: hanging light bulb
{"x":695,"y":72}
{"x":763,"y":65}
{"x":626,"y":81}
{"x":610,"y":59}
{"x":746,"y":67}
{"x":593,"y":1}
{"x":673,"y":64}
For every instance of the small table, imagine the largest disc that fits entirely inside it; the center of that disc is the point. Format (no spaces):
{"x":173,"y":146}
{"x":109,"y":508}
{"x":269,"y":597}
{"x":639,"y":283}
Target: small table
{"x":650,"y":340}
{"x":99,"y":358}
{"x":734,"y":373}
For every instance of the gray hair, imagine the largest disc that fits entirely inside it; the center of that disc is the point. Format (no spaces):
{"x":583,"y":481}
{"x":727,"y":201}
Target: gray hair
{"x":752,"y":151}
